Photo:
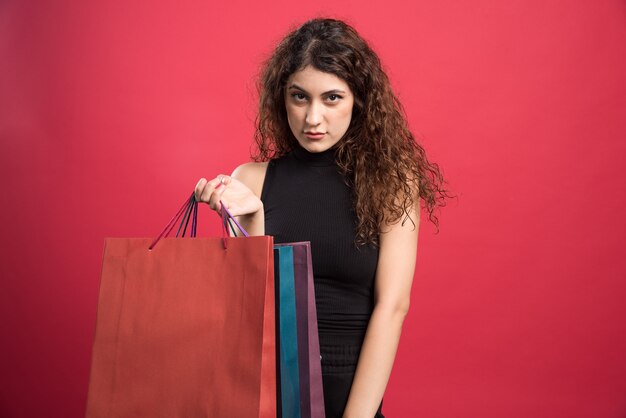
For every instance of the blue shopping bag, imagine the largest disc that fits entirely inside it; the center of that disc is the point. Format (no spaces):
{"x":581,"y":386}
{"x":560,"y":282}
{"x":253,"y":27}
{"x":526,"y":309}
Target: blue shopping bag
{"x":288,"y":375}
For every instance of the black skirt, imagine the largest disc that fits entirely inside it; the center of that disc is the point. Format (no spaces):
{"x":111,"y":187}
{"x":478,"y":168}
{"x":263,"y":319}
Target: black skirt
{"x":338,"y":367}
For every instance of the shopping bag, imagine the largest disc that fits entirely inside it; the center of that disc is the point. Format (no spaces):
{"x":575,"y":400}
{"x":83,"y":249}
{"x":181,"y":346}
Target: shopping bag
{"x":186,"y":328}
{"x":309,"y":365}
{"x":286,"y":320}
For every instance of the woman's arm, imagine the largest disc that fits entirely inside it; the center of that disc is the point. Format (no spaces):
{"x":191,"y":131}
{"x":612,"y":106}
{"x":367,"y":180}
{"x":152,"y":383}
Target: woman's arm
{"x":253,"y":176}
{"x":394,"y":277}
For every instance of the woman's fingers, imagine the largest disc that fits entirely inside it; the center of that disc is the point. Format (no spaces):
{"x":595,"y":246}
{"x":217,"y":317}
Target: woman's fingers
{"x":199,"y":188}
{"x":207,"y":190}
{"x":216,"y":196}
{"x":225,"y":180}
{"x":211,"y":191}
{"x":239,"y":200}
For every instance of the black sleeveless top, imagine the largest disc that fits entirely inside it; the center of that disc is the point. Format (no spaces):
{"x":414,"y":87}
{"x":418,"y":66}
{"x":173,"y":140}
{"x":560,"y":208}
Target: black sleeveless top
{"x":305,"y":198}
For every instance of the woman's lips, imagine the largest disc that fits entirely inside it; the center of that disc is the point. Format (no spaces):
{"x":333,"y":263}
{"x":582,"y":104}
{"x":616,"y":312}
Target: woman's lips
{"x":314,"y":135}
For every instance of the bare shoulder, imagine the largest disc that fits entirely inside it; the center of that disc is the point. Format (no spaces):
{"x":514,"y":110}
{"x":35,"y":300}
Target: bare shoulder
{"x":251,"y":174}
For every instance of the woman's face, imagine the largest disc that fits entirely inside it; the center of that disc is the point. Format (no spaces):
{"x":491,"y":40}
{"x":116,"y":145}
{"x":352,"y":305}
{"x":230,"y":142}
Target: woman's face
{"x":319,"y":108}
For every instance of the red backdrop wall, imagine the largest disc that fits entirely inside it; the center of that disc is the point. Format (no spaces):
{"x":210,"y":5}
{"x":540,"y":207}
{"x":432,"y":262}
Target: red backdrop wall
{"x":111,"y":111}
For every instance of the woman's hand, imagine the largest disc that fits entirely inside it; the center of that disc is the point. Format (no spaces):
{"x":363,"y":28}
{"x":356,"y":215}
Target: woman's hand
{"x":236,"y":196}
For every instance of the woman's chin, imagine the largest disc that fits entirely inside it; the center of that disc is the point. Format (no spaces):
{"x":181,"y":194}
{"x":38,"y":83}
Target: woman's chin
{"x":315,"y":146}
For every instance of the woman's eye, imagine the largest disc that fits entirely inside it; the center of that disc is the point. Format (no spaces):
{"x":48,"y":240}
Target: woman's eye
{"x":299,"y":97}
{"x":333,"y":98}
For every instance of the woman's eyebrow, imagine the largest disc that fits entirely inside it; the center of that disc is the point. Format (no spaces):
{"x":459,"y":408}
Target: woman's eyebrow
{"x":334,"y":91}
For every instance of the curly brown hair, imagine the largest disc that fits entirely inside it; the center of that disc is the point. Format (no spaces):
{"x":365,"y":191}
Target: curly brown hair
{"x":382,"y":163}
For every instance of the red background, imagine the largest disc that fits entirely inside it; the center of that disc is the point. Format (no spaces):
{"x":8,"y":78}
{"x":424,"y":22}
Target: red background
{"x":111,"y":111}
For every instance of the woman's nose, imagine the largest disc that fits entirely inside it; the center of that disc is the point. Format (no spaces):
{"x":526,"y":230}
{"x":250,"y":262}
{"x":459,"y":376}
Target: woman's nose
{"x":314,"y":114}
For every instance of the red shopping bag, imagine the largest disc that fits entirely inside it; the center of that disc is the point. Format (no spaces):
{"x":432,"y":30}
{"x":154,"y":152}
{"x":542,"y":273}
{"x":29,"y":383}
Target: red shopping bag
{"x":186,"y":329}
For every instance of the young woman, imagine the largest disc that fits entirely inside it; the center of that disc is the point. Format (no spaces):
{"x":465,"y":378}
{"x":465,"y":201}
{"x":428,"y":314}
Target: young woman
{"x":337,"y":166}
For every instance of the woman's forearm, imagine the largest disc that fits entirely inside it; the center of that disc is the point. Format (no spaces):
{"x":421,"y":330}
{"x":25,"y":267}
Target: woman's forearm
{"x":375,"y":363}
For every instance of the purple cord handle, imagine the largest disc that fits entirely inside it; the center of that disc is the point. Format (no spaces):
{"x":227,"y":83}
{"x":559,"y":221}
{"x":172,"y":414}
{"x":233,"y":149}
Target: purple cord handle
{"x":229,"y":216}
{"x":190,"y":210}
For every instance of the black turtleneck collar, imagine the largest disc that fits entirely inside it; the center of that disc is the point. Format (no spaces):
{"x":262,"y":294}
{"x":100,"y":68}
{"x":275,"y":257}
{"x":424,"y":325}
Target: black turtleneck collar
{"x":324,"y":158}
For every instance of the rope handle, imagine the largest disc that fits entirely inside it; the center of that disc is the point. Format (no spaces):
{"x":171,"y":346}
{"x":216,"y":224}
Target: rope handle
{"x":189,"y":211}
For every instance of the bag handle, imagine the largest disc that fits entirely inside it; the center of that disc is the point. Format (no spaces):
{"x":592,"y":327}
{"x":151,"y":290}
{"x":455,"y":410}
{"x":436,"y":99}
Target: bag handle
{"x":189,"y":211}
